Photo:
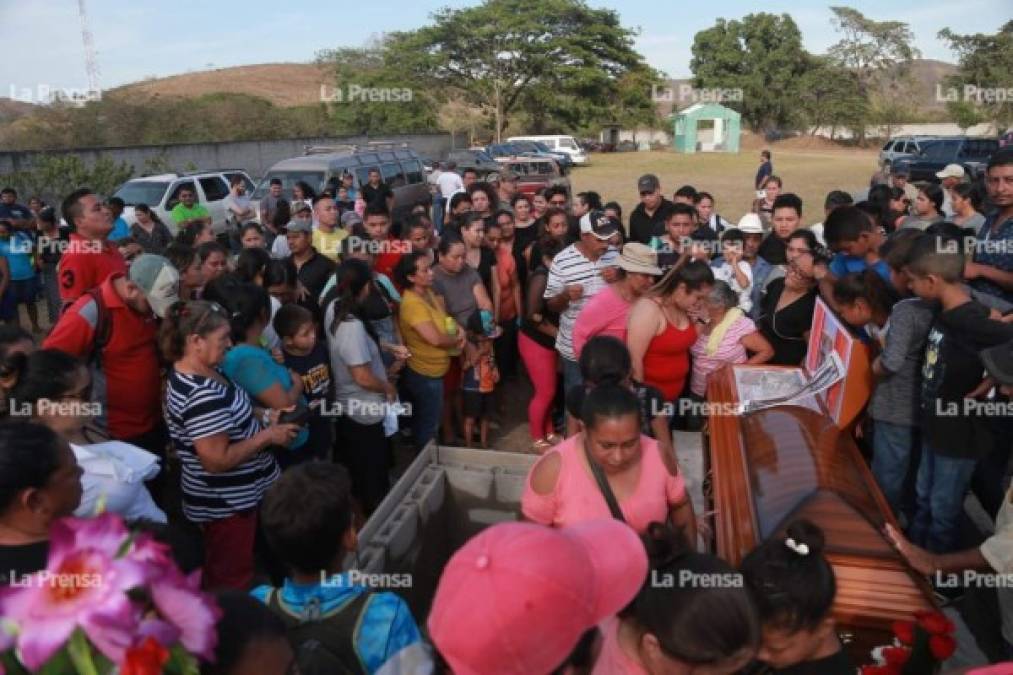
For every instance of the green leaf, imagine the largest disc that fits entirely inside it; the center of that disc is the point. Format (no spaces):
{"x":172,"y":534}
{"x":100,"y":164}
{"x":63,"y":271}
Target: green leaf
{"x":80,"y":652}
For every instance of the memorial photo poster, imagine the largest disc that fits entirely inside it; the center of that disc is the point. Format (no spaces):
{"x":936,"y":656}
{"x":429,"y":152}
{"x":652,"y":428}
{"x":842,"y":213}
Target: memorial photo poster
{"x":827,"y":335}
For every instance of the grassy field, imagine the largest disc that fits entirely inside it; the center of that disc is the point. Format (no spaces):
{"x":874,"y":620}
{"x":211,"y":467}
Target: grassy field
{"x":809,"y":174}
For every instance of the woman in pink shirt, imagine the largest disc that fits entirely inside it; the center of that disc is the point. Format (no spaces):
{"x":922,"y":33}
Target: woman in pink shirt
{"x":606,"y":313}
{"x":562,"y":488}
{"x":692,"y":615}
{"x":729,"y":337}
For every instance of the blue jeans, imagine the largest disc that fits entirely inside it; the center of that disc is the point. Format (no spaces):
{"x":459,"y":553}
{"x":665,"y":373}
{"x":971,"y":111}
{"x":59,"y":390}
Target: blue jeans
{"x":891,"y":454}
{"x":571,"y":375}
{"x":426,"y":395}
{"x":942,"y":485}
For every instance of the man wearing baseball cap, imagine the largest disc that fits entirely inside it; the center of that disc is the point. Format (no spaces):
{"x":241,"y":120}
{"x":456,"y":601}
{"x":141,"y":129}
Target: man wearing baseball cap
{"x":576,"y":276}
{"x":951,"y":176}
{"x":898,"y":179}
{"x":516,"y":598}
{"x":301,"y":211}
{"x":113,"y":328}
{"x":648,"y":219}
{"x":312,"y":268}
{"x":606,"y":313}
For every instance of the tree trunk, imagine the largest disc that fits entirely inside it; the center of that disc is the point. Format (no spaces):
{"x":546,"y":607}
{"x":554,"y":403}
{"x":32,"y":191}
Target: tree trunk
{"x":499,"y":112}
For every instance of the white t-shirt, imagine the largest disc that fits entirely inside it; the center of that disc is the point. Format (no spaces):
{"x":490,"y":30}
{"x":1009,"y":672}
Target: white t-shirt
{"x":817,"y":230}
{"x":280,"y":249}
{"x":114,"y":475}
{"x":235,"y":203}
{"x":449,"y":183}
{"x":727,"y":274}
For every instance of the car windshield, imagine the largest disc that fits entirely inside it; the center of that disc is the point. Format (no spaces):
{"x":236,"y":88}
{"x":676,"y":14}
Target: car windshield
{"x":542,"y":147}
{"x":315,"y":179}
{"x":567,"y":143}
{"x":142,"y":192}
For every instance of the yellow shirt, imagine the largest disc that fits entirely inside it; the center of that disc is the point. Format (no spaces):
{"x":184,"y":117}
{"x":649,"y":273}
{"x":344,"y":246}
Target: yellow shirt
{"x":329,"y":243}
{"x":425,"y":359}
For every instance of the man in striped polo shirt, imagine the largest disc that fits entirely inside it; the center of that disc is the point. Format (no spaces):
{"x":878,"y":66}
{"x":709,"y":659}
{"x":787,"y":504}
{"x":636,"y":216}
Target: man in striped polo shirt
{"x":576,"y":275}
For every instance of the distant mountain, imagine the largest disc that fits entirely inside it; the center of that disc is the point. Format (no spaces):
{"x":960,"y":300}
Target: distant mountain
{"x":284,"y":84}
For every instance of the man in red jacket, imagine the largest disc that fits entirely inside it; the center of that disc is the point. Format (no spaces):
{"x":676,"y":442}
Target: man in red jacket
{"x":89,"y":258}
{"x":113,"y":328}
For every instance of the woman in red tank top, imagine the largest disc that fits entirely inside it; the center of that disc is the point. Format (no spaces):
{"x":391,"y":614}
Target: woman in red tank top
{"x":661,"y":331}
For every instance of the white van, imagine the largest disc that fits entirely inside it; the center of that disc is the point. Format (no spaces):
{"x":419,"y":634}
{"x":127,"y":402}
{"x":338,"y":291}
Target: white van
{"x":558,"y":144}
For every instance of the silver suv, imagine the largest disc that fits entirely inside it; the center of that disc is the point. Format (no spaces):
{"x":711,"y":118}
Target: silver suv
{"x":161,"y":193}
{"x":902,"y":146}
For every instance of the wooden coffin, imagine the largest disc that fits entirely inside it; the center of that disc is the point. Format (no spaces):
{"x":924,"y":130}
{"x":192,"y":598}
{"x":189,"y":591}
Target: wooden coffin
{"x":773,"y":466}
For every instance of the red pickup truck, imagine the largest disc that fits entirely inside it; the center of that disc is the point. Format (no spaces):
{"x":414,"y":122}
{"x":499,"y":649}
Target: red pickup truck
{"x":534,"y":173}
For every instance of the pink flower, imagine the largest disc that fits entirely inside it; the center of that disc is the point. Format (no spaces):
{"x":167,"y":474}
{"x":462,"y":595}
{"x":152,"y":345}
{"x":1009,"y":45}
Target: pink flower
{"x":84,"y":585}
{"x":179,"y":601}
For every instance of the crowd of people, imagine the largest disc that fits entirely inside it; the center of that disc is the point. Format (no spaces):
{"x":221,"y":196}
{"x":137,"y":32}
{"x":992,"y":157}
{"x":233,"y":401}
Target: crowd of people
{"x":239,"y":387}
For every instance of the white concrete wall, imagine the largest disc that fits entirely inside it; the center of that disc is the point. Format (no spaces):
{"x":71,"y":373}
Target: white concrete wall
{"x":935,"y":129}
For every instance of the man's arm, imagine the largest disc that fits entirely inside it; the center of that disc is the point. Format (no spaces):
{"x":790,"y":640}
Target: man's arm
{"x":994,"y":274}
{"x":72,"y":333}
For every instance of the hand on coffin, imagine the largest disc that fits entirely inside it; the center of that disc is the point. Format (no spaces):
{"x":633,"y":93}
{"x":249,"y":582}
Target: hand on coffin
{"x":920,"y":559}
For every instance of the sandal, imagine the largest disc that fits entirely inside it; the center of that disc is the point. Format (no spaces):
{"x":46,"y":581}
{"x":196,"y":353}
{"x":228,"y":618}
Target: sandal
{"x":554,"y":439}
{"x":541,"y":446}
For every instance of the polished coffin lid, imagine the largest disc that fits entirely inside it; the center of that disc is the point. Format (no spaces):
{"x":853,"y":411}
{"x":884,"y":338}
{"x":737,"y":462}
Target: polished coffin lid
{"x":776,"y":465}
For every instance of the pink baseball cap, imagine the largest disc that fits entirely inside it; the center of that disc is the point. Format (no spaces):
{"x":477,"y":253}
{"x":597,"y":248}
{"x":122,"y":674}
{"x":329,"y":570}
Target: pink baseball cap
{"x":517,"y":597}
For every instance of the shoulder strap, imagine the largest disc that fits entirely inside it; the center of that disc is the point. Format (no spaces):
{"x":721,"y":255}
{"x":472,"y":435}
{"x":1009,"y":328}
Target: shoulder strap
{"x":103,"y":326}
{"x":603,"y":485}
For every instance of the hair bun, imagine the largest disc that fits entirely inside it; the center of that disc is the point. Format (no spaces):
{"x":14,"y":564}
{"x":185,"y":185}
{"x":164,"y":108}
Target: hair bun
{"x":805,"y":539}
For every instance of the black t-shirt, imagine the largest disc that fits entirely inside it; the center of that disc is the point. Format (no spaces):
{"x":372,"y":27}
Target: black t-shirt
{"x":774,"y":250}
{"x":376,"y":306}
{"x":487,"y":259}
{"x":785,"y":329}
{"x":314,"y":275}
{"x":643,"y":227}
{"x":314,"y":369}
{"x":652,"y":404}
{"x":530,"y":328}
{"x":17,"y":561}
{"x":951,"y":368}
{"x":376,"y":196}
{"x":50,"y":250}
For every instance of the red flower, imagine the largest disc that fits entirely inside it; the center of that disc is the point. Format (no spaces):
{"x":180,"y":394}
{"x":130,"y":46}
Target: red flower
{"x":934,"y":623}
{"x":145,"y":659}
{"x":942,"y":647}
{"x":896,"y":656}
{"x":905,"y":631}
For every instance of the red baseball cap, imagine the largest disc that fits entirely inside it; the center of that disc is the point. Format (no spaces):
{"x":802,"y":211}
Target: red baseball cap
{"x":517,"y":597}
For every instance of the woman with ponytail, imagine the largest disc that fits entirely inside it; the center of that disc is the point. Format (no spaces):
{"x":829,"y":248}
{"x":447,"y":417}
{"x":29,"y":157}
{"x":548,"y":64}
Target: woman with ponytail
{"x":692,"y":615}
{"x":794,"y":587}
{"x":362,"y":390}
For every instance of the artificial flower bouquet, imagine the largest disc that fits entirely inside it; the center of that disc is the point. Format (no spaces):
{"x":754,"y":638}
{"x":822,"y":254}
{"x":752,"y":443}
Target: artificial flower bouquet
{"x":919,"y":647}
{"x":109,"y":601}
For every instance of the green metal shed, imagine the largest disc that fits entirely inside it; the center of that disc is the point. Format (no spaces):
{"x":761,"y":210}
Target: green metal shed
{"x":719,"y":133}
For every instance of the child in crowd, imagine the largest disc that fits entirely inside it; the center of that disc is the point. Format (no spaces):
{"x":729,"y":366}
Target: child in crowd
{"x":793,"y":587}
{"x":307,"y":357}
{"x":894,"y":404}
{"x":954,"y":436}
{"x":733,"y":269}
{"x":335,"y":624}
{"x":480,"y":376}
{"x":850,"y":235}
{"x":865,"y":302}
{"x":677,"y":627}
{"x":606,"y":360}
{"x":675,"y":246}
{"x":251,"y":639}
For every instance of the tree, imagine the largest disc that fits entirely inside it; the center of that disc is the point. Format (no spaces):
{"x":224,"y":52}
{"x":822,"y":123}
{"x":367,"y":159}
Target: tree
{"x":370,"y":96}
{"x":457,"y":116}
{"x":829,"y":96}
{"x":985,"y":62}
{"x":879,"y":53}
{"x":965,"y":114}
{"x":761,"y":55}
{"x":522,"y":56}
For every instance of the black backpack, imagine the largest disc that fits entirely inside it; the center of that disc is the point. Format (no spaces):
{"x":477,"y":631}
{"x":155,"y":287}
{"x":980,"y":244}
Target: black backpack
{"x":323,"y":642}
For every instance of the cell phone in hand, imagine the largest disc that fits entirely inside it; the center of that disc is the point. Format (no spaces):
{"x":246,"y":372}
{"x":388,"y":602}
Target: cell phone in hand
{"x":300,"y":416}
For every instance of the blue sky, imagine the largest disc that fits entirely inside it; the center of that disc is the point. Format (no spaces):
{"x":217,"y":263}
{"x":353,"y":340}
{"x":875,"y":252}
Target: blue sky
{"x":42,"y":38}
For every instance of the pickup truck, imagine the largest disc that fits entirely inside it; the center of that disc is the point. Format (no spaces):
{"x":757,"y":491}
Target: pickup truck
{"x":534,"y":173}
{"x":970,"y":153}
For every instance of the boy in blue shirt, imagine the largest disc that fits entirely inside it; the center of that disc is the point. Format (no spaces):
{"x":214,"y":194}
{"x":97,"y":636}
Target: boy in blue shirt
{"x":307,"y":520}
{"x":17,"y":247}
{"x":850,"y":235}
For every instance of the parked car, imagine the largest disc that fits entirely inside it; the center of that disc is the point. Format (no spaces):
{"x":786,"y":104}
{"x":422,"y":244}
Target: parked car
{"x":322,"y":167}
{"x":902,"y":146}
{"x":538,"y":149}
{"x":558,"y":143}
{"x":504,"y":150}
{"x":534,"y":173}
{"x":970,"y":153}
{"x":479,"y":160}
{"x":161,"y":193}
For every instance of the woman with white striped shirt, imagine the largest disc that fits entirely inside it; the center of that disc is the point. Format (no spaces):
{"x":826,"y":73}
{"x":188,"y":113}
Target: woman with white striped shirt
{"x":221,"y":440}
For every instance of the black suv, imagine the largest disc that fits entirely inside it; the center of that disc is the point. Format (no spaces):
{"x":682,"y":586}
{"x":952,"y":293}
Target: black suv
{"x":970,"y":153}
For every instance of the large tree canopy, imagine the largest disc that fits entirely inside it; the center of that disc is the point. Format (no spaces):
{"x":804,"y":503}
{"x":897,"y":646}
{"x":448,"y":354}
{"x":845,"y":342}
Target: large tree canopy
{"x":986,"y":63}
{"x":558,"y":61}
{"x":762,"y":55}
